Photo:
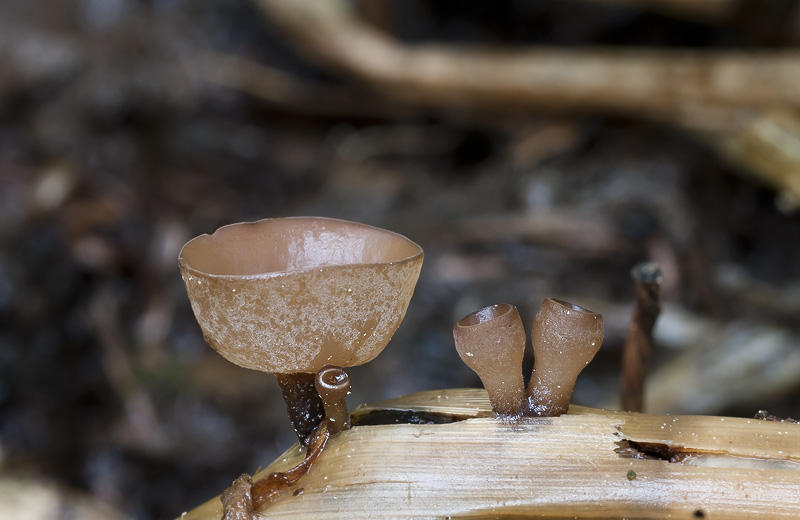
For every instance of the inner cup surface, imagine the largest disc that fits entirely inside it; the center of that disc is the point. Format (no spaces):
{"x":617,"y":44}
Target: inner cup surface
{"x":273,"y":246}
{"x":486,"y":314}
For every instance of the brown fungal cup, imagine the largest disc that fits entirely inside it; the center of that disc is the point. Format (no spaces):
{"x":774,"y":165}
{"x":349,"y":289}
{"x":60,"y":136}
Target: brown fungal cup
{"x":290,"y":295}
{"x":491,"y":341}
{"x":333,"y":384}
{"x":565,"y":339}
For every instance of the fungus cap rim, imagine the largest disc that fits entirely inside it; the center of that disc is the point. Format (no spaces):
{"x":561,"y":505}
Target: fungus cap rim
{"x":571,"y":306}
{"x":315,"y":302}
{"x":484,"y":315}
{"x":220,"y":232}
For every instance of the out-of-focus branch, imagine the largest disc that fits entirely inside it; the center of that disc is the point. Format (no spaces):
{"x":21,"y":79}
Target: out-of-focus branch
{"x":768,"y":144}
{"x":286,"y":91}
{"x":639,"y":343}
{"x":710,"y":11}
{"x":559,"y":229}
{"x":723,"y":96}
{"x":696,"y":89}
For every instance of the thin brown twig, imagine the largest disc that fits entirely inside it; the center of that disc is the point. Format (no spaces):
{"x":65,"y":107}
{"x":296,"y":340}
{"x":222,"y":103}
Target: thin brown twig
{"x":639,"y":343}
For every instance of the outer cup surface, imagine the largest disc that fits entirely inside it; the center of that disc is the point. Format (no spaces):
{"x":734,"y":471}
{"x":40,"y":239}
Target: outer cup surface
{"x":293,"y":294}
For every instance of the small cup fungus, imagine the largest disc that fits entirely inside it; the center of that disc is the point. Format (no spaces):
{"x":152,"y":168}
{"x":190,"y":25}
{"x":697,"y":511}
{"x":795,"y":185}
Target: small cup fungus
{"x":491,"y":341}
{"x":333,"y":384}
{"x":565,"y":339}
{"x":291,"y":295}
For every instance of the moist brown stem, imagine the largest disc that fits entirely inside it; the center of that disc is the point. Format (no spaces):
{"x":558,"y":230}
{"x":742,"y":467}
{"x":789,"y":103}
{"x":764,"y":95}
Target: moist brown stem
{"x":272,"y":487}
{"x":333,"y":384}
{"x":639,"y":343}
{"x":303,"y":403}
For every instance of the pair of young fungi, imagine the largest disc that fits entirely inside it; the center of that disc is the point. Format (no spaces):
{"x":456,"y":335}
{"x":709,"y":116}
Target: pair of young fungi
{"x":565,"y":337}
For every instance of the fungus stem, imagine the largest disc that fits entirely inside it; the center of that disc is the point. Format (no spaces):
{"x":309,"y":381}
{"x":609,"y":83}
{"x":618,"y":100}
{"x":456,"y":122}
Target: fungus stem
{"x":303,"y":403}
{"x":333,"y":384}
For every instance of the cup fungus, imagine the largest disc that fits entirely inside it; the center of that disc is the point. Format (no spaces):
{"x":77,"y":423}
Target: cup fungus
{"x":290,"y":295}
{"x":565,"y":339}
{"x":333,"y":385}
{"x":491,"y":341}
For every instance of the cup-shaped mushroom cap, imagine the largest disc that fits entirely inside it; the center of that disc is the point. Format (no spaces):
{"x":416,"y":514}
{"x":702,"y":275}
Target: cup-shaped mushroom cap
{"x":491,"y":341}
{"x":294,"y":294}
{"x":565,"y":339}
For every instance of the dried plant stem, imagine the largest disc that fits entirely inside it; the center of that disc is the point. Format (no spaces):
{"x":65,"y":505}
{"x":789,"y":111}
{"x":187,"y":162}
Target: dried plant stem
{"x":587,"y":463}
{"x":733,"y":100}
{"x":700,"y":90}
{"x":767,"y":143}
{"x":639,"y":343}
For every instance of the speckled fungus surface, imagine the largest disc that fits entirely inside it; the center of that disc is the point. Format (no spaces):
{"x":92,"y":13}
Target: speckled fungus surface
{"x":491,"y":341}
{"x":294,"y":294}
{"x":333,"y":385}
{"x":291,"y":295}
{"x":565,"y":339}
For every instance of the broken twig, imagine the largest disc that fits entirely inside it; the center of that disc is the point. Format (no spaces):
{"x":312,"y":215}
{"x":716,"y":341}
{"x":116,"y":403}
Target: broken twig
{"x":729,"y":99}
{"x":639,"y":343}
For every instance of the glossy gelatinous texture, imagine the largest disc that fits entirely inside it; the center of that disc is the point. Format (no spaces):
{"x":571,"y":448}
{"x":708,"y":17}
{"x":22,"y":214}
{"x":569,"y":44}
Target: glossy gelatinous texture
{"x":303,"y":403}
{"x":333,"y":385}
{"x":565,"y":339}
{"x":491,"y":341}
{"x":294,"y":294}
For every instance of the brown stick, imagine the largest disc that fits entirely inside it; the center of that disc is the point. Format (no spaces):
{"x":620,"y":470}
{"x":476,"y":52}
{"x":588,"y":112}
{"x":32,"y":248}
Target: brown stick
{"x":639,"y":343}
{"x":710,"y":11}
{"x":701,"y":90}
{"x":728,"y":98}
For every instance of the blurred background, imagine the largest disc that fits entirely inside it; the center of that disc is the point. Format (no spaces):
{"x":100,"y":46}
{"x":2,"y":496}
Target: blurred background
{"x":532,"y":149}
